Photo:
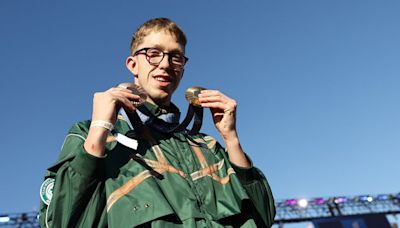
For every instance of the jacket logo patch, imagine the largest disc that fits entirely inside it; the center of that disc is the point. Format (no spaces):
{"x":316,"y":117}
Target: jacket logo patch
{"x":46,"y":190}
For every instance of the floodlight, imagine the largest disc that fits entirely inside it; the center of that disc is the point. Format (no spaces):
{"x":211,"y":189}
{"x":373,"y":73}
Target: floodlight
{"x":302,"y":203}
{"x":340,"y":199}
{"x":4,"y":219}
{"x":366,"y":198}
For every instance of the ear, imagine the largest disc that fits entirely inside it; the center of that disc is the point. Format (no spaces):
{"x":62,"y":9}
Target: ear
{"x":131,"y":64}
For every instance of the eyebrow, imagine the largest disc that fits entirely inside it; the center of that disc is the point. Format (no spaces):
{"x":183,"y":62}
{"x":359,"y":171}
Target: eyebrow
{"x":173,"y":51}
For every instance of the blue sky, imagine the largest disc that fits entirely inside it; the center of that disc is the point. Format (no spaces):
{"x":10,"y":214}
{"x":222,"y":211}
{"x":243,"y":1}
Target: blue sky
{"x":317,"y":84}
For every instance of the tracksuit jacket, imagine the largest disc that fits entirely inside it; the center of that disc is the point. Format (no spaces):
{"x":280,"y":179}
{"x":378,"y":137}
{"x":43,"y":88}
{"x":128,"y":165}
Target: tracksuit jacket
{"x":167,"y":180}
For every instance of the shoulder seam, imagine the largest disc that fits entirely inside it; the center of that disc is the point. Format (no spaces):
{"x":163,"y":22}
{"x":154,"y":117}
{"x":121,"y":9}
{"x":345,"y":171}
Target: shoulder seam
{"x":76,"y":135}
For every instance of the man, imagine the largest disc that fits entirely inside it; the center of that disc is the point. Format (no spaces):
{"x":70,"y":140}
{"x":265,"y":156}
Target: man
{"x":118,"y":171}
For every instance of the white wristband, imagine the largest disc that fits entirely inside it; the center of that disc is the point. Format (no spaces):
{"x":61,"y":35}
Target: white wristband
{"x":101,"y":123}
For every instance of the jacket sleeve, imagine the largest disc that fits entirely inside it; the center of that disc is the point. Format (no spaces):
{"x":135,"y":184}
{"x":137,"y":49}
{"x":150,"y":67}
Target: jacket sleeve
{"x":259,"y":191}
{"x":78,"y":195}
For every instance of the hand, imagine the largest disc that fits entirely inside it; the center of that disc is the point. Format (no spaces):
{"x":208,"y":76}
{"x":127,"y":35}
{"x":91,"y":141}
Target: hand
{"x":223,"y":110}
{"x":106,"y":104}
{"x":105,"y":107}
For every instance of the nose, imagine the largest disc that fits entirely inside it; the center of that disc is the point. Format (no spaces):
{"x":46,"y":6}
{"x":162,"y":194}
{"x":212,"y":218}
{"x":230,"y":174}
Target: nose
{"x":165,"y":63}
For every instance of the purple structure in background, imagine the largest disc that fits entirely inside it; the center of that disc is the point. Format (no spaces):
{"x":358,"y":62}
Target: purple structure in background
{"x":363,"y":211}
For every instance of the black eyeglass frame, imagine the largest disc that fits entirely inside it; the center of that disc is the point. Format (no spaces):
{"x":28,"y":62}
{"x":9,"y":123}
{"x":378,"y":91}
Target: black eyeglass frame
{"x":163,"y":52}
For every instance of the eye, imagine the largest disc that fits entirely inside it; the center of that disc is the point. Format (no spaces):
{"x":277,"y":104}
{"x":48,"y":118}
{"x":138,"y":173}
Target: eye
{"x":154,"y":52}
{"x":178,"y":58}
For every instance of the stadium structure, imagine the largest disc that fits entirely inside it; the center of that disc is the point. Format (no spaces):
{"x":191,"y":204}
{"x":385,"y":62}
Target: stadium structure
{"x":363,"y":211}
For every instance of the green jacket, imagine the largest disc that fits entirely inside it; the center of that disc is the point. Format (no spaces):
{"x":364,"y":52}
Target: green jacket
{"x":172,"y":180}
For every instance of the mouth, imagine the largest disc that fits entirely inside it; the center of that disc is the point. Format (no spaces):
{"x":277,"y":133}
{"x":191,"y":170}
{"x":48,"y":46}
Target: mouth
{"x":163,"y":80}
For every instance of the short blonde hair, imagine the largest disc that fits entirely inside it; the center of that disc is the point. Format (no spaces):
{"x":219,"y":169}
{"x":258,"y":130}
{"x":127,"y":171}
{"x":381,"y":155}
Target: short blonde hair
{"x":155,"y":25}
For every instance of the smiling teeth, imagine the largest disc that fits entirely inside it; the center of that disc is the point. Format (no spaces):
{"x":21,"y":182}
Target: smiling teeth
{"x":161,"y":79}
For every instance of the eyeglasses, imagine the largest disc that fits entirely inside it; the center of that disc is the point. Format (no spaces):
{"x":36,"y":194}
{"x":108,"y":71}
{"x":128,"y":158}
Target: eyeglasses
{"x":154,"y":56}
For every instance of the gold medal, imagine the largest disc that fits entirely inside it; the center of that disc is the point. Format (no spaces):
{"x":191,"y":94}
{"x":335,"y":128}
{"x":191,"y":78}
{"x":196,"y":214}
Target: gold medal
{"x":192,"y":95}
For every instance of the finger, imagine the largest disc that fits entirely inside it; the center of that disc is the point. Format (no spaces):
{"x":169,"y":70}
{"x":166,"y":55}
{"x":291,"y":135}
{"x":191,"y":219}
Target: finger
{"x":226,"y":102}
{"x":213,"y":98}
{"x":216,"y":105}
{"x":124,"y":98}
{"x":124,"y":102}
{"x":123,"y":89}
{"x":215,"y":94}
{"x":134,"y":90}
{"x":125,"y":93}
{"x":125,"y":85}
{"x":210,"y":92}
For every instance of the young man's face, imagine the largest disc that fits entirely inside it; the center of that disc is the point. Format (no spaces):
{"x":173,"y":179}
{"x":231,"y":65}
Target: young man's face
{"x":158,"y":80}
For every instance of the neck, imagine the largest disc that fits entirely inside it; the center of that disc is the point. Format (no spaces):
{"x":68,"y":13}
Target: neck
{"x":160,"y":104}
